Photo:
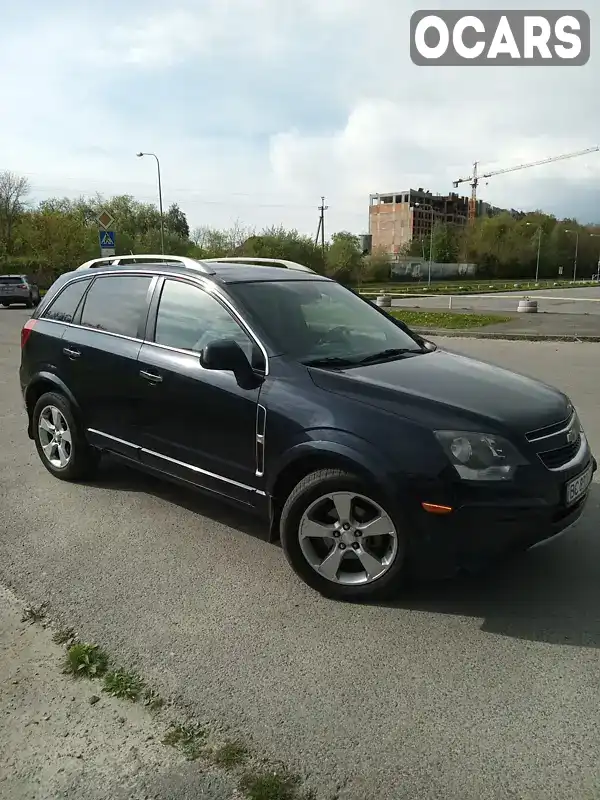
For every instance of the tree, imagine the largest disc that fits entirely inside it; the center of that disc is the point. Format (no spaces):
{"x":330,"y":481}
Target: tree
{"x":376,"y":267}
{"x":277,"y":242}
{"x":446,"y":244}
{"x":176,"y":222}
{"x":13,"y":191}
{"x":344,"y":258}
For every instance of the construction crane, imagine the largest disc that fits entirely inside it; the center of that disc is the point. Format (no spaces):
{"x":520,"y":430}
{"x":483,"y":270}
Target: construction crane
{"x":474,"y":179}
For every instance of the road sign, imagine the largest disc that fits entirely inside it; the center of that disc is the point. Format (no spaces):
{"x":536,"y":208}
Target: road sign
{"x":105,"y":219}
{"x":107,"y":238}
{"x":107,"y":243}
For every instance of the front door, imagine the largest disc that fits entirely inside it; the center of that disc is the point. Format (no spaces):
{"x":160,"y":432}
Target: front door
{"x":198,"y":424}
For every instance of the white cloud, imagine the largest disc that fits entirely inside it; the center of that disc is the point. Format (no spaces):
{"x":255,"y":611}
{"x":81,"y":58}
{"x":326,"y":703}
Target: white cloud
{"x":258,"y":107}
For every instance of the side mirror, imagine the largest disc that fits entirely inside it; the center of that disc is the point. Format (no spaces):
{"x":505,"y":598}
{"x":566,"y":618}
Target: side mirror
{"x":225,"y":354}
{"x":429,"y":346}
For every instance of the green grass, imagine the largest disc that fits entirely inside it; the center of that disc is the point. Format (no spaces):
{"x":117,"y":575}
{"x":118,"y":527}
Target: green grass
{"x":126,"y":685}
{"x":269,"y":786}
{"x":230,"y":755}
{"x":468,"y":286}
{"x":86,"y":661}
{"x":190,"y":739}
{"x":446,"y":319}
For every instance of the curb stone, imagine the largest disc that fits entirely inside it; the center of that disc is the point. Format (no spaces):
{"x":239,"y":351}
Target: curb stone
{"x":528,"y":337}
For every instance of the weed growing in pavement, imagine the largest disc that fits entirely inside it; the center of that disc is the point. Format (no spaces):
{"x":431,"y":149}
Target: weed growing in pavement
{"x":86,"y":661}
{"x":64,"y":636}
{"x":152,"y":700}
{"x":269,"y":786}
{"x":33,"y":614}
{"x":190,"y":739}
{"x":127,"y":685}
{"x":89,"y":661}
{"x":230,"y":755}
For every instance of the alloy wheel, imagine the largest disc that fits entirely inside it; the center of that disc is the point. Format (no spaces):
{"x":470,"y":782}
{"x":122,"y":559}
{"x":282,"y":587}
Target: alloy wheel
{"x":348,"y":538}
{"x":55,"y":437}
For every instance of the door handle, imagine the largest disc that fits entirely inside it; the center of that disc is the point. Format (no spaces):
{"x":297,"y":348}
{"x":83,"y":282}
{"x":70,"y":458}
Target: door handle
{"x":71,"y":353}
{"x":151,"y":377}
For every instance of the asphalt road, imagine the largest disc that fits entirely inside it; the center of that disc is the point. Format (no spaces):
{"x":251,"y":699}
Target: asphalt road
{"x":480,"y":690}
{"x":555,"y":301}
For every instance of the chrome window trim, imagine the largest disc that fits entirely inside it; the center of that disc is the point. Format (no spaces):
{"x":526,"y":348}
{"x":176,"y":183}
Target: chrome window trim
{"x":96,"y":330}
{"x":212,"y":289}
{"x":194,"y":280}
{"x":176,"y":461}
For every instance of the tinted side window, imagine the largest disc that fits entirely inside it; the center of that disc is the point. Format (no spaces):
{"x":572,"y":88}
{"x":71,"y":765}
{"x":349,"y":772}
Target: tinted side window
{"x":64,"y":307}
{"x":116,"y":304}
{"x":189,"y":318}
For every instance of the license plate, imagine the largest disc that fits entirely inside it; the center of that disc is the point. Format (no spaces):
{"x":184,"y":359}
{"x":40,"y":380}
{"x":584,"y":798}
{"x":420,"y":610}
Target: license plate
{"x":579,"y":486}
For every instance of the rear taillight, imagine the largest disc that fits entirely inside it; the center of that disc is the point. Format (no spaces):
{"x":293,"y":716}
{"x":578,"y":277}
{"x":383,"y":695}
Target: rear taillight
{"x":26,"y":331}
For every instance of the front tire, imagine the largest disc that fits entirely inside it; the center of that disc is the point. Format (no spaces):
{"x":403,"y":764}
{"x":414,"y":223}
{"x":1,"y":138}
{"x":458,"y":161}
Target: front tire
{"x":60,"y":441}
{"x":339,"y":538}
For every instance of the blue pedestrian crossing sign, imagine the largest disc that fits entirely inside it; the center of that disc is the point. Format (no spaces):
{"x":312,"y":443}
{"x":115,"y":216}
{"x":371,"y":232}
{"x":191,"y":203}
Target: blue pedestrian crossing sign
{"x":107,"y":240}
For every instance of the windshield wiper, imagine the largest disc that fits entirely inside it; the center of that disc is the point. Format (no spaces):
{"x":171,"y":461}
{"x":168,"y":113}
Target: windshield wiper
{"x":389,"y":353}
{"x":330,"y":361}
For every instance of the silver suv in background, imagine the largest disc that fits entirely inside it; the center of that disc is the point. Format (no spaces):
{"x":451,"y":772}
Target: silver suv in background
{"x":18,"y":289}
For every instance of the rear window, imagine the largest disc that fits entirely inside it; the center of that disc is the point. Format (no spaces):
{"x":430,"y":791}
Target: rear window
{"x":64,"y":308}
{"x":11,"y":279}
{"x":116,"y":304}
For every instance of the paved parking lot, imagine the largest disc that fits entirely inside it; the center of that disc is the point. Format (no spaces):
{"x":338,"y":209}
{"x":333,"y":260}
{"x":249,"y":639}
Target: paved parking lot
{"x":481,"y":690}
{"x":554,"y":301}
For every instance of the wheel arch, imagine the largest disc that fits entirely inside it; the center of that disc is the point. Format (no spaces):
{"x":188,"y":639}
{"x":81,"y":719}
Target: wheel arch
{"x":42,"y":383}
{"x":309,"y":457}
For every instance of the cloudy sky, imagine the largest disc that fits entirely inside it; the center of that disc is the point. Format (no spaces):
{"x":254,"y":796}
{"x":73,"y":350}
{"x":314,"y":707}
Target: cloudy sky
{"x":256,"y":108}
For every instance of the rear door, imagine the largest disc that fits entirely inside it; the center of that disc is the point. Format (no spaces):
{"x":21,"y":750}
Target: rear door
{"x":100,"y":355}
{"x":197,"y":424}
{"x":44,"y":349}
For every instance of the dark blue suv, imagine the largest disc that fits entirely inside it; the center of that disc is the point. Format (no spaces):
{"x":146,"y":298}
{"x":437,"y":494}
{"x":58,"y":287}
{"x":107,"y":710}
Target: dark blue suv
{"x":372,"y":453}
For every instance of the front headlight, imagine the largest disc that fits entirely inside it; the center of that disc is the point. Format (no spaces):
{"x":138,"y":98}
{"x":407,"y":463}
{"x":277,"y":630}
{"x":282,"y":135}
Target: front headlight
{"x":480,"y":456}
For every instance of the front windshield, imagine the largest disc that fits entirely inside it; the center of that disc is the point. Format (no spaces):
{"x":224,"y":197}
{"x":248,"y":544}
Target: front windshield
{"x":320,"y":320}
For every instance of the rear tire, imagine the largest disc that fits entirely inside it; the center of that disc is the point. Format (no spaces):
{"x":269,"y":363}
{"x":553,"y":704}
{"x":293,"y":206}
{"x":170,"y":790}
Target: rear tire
{"x":344,"y":560}
{"x":29,"y":303}
{"x":59,"y":439}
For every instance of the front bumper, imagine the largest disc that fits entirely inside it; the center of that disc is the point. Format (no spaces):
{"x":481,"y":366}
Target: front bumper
{"x":480,"y":532}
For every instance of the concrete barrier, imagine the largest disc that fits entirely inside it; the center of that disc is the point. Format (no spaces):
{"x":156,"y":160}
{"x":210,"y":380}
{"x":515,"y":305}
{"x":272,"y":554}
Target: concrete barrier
{"x":527,"y":306}
{"x":384,"y":300}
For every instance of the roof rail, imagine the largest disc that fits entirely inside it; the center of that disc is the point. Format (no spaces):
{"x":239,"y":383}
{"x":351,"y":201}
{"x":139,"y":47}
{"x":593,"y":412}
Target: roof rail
{"x":147,"y":258}
{"x":251,"y":260}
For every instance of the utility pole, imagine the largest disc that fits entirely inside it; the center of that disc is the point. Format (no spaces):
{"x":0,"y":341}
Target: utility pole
{"x":576,"y":253}
{"x":321,"y":227}
{"x":539,"y":247}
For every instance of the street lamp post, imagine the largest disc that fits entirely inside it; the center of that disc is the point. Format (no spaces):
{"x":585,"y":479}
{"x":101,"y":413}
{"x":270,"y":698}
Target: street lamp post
{"x":430,"y":207}
{"x":537,"y":268}
{"x":568,"y":230}
{"x":597,"y":236}
{"x":160,"y":204}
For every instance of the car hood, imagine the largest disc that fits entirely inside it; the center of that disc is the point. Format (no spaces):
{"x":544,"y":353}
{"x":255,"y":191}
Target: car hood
{"x":444,"y":388}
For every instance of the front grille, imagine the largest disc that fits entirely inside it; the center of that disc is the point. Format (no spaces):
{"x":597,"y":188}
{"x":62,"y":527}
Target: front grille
{"x":549,"y":430}
{"x":554,"y":459}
